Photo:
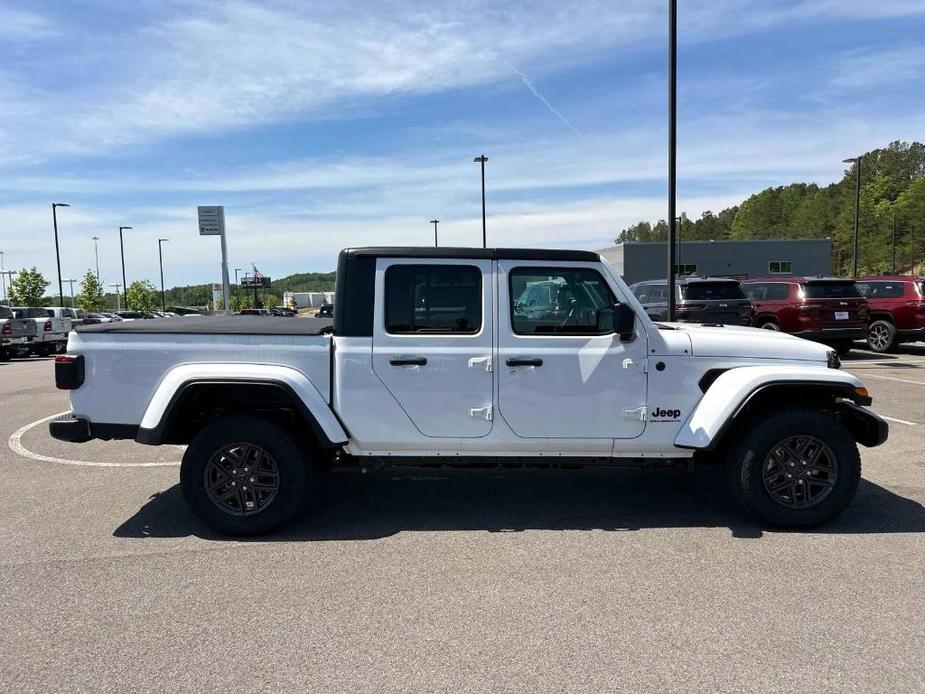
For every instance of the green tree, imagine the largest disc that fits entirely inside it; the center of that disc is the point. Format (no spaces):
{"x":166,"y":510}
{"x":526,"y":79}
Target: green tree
{"x":28,"y":287}
{"x":270,"y":300}
{"x":237,"y":303}
{"x":91,"y":297}
{"x":141,"y":296}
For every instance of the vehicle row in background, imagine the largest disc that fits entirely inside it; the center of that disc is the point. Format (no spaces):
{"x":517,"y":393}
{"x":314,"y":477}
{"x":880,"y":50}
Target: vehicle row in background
{"x":885,"y":311}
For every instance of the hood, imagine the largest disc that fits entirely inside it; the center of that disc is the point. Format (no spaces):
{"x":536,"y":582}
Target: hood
{"x":738,"y":341}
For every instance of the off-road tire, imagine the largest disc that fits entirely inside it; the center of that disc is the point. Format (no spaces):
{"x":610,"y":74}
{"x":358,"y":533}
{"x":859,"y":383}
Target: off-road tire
{"x":748,"y":456}
{"x":768,"y":324}
{"x":881,"y":336}
{"x":288,"y":452}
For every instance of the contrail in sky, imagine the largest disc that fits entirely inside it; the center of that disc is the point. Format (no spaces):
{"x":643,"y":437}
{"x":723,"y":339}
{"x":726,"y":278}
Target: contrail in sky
{"x":542,"y":98}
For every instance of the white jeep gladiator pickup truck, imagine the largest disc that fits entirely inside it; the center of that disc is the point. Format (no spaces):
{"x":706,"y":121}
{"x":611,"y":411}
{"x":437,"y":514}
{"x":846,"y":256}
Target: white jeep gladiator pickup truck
{"x":436,"y":355}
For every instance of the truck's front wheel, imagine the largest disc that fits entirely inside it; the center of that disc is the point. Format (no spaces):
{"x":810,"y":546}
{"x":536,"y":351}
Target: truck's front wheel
{"x":796,"y":469}
{"x":244,"y":475}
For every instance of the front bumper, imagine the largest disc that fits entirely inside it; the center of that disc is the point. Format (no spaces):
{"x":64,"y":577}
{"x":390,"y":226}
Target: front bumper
{"x":831,"y":334}
{"x":866,"y":427}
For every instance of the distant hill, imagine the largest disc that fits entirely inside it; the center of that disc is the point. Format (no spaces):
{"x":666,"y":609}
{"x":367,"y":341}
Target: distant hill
{"x":892,"y":181}
{"x":201,"y":294}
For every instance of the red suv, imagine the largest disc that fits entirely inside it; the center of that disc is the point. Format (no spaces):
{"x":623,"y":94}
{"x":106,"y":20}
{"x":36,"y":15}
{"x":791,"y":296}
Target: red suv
{"x":897,"y":310}
{"x":825,"y":309}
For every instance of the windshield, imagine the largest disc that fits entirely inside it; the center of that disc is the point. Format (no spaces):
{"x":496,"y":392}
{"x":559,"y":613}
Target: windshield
{"x":711,"y":291}
{"x":831,"y":290}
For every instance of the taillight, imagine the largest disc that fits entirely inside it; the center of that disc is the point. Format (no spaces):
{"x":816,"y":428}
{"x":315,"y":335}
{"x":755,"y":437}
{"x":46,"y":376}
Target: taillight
{"x":7,"y":329}
{"x":48,"y":326}
{"x":69,"y":371}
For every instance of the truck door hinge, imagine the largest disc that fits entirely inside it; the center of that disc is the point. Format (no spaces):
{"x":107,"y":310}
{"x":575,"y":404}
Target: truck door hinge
{"x":636,"y":413}
{"x":482,"y":412}
{"x":481,"y":363}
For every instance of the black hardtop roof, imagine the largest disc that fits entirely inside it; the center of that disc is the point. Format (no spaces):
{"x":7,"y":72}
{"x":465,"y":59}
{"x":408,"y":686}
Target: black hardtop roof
{"x":472,"y":253}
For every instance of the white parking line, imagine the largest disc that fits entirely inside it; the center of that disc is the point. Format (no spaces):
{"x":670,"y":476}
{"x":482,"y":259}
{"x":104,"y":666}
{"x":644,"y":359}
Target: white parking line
{"x":15,"y":444}
{"x":893,"y":378}
{"x":899,"y":421}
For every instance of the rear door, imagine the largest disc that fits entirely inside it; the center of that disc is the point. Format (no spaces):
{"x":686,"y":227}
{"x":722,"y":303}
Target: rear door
{"x":432,"y":342}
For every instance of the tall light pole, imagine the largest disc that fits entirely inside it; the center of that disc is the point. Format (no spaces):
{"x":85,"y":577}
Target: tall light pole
{"x":435,"y":222}
{"x":54,"y":218}
{"x":70,"y":282}
{"x":481,"y":160}
{"x":893,"y":254}
{"x":118,"y":301}
{"x":122,"y":252}
{"x":3,"y":275}
{"x":236,"y":271}
{"x":857,"y":207}
{"x":160,"y":257}
{"x":96,"y":253}
{"x":672,"y":150}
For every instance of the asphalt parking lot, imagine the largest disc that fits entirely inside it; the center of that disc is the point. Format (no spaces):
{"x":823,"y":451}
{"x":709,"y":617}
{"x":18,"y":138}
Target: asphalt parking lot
{"x":455,"y":580}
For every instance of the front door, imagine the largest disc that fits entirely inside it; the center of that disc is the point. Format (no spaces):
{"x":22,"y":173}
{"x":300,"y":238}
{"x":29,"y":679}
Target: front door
{"x":560,"y":375}
{"x":432,"y":342}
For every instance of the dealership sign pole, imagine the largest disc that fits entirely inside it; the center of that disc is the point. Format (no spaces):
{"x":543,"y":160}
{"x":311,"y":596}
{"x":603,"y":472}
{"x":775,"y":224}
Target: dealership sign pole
{"x":212,"y":223}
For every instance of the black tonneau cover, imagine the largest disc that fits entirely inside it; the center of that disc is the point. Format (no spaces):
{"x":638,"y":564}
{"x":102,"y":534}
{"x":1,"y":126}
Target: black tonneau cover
{"x":215,"y":325}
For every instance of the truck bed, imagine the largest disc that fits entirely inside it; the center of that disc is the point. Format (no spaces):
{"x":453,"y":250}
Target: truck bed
{"x":216,"y":325}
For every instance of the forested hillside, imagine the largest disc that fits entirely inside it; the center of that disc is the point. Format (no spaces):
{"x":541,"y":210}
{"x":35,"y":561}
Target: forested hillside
{"x":892,"y":182}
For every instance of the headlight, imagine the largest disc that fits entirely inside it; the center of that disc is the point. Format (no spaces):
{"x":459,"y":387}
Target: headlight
{"x":832,"y":359}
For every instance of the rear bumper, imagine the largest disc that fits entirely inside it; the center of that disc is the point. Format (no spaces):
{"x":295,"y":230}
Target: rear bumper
{"x":14,"y":341}
{"x":73,"y":429}
{"x":828,"y":334}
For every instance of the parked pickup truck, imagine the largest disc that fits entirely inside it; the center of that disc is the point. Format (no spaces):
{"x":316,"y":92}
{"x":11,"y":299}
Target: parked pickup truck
{"x":431,"y":359}
{"x":50,"y":331}
{"x":15,"y":334}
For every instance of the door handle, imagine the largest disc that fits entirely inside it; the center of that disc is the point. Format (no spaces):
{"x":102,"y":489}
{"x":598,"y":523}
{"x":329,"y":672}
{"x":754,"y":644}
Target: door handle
{"x":514,"y":361}
{"x":408,"y":361}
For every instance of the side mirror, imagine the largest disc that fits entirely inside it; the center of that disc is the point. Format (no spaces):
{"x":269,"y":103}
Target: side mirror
{"x":620,"y":319}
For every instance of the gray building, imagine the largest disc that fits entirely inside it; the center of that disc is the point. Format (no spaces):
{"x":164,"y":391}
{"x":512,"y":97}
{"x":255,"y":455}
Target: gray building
{"x":739,"y":259}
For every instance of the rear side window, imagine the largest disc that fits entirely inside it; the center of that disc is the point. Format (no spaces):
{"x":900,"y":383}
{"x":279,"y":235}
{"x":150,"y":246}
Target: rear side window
{"x":881,"y":290}
{"x":571,"y":299}
{"x":711,"y":291}
{"x":5,"y":312}
{"x":771,"y":291}
{"x":831,"y":290}
{"x":433,"y":299}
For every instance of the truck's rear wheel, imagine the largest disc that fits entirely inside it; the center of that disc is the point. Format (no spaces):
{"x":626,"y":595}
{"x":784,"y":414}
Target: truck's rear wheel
{"x":245,"y":475}
{"x":796,"y":469}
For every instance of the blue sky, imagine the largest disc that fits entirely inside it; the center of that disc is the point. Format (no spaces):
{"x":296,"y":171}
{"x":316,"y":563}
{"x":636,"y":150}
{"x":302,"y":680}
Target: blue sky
{"x":323,"y":125}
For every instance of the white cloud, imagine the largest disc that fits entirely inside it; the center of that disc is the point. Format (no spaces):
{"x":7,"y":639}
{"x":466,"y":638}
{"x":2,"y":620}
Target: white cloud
{"x":21,"y":25}
{"x":879,"y":67}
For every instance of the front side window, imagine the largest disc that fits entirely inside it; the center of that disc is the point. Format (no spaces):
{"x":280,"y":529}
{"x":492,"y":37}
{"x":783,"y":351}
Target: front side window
{"x":779,"y":267}
{"x":433,"y":299}
{"x":558,"y":300}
